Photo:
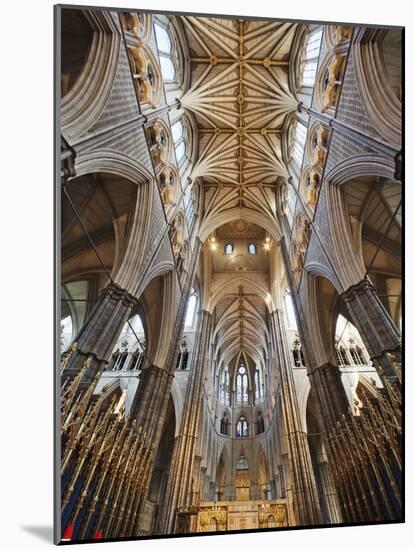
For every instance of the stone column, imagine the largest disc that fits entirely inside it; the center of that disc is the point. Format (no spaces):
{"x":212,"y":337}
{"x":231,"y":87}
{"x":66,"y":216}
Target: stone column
{"x":100,"y":332}
{"x":328,"y":386}
{"x":377,"y":329}
{"x":330,"y":494}
{"x":303,"y":491}
{"x":179,"y":489}
{"x":152,"y":397}
{"x":195,"y":499}
{"x":151,"y":400}
{"x":325,"y":380}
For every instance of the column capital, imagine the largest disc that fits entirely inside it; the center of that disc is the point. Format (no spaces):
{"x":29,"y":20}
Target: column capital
{"x":325,"y":367}
{"x":155,"y":370}
{"x":361,"y":287}
{"x":115,"y":292}
{"x":375,"y":325}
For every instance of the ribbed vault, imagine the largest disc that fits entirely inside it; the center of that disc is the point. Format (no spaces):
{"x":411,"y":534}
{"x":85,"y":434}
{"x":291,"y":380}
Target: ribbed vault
{"x":240,"y":328}
{"x":240,"y":95}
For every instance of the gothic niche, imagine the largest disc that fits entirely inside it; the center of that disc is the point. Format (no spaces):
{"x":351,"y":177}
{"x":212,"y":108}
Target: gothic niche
{"x":319,"y":146}
{"x":331,"y":81}
{"x":167,"y":182}
{"x":303,"y":233}
{"x":312,"y":185}
{"x":176,"y":234}
{"x":158,"y":143}
{"x":298,"y":260}
{"x":343,"y":33}
{"x":183,"y":257}
{"x":143,"y":73}
{"x":299,"y":246}
{"x":130,"y":22}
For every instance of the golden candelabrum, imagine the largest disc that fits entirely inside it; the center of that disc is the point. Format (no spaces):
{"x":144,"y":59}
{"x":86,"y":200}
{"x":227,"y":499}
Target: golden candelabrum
{"x":106,"y":463}
{"x":366,"y":457}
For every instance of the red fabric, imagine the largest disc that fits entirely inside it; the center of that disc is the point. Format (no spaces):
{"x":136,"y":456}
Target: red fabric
{"x":98,"y":535}
{"x":68,"y":532}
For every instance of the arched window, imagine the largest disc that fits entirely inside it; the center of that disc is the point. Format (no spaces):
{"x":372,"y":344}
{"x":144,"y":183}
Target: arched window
{"x":298,"y":354}
{"x":256,"y":384}
{"x":360,"y":354}
{"x":224,"y":425}
{"x":165,"y":49}
{"x":182,"y":360}
{"x":132,"y":337}
{"x":224,"y":387}
{"x":260,"y":424}
{"x":298,"y":144}
{"x":167,"y":68}
{"x":191,"y":309}
{"x":310,"y":58}
{"x":137,"y":360}
{"x":242,"y":428}
{"x":229,"y":248}
{"x":163,"y":39}
{"x":259,"y":388}
{"x":180,"y":151}
{"x":242,"y":463}
{"x":242,"y":385}
{"x":290,"y":309}
{"x":356,"y":357}
{"x":185,"y":360}
{"x":177,"y":131}
{"x":252,"y":248}
{"x":183,"y":356}
{"x":342,"y":356}
{"x":118,"y":360}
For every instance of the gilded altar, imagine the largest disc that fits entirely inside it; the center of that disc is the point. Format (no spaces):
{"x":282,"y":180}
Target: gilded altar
{"x":240,"y":515}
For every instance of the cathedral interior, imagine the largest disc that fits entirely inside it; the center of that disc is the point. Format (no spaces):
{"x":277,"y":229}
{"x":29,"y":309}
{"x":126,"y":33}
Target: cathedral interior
{"x":231,"y":302}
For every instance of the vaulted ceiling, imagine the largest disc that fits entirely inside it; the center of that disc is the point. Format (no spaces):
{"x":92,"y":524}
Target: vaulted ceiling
{"x":240,"y":95}
{"x":241,"y":91}
{"x":240,"y":327}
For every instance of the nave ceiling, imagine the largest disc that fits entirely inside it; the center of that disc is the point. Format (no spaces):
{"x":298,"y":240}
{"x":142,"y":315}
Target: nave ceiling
{"x":241,"y":91}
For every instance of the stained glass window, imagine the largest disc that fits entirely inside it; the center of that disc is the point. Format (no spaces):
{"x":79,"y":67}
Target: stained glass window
{"x":242,"y":385}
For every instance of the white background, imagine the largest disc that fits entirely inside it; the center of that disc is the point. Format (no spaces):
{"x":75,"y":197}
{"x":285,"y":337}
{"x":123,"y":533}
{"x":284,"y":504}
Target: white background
{"x":26,"y":306}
